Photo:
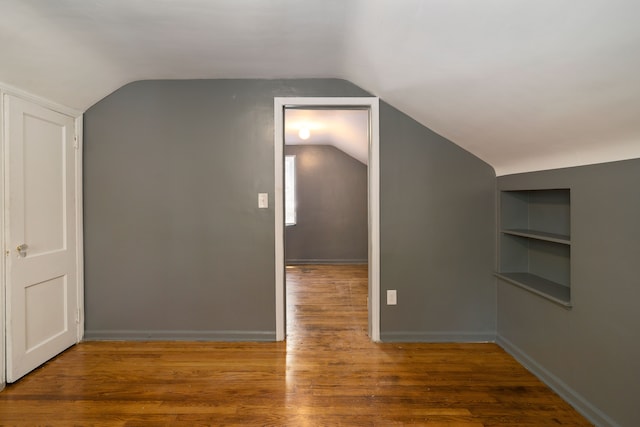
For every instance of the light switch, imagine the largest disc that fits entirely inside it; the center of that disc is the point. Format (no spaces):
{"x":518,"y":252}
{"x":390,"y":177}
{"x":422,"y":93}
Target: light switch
{"x":392,"y":297}
{"x":263,"y":200}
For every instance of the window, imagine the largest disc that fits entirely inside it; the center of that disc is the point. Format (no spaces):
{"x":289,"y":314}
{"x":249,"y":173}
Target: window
{"x":290,"y":190}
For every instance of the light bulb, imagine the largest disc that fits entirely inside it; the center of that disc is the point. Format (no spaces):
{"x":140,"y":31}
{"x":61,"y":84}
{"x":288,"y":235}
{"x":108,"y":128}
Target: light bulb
{"x":304,"y":133}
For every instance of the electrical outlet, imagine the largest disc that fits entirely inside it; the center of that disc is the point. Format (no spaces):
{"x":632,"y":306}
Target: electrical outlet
{"x":392,"y":297}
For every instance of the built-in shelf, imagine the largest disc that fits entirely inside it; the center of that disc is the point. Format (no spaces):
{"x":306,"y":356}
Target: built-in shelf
{"x":535,"y":242}
{"x":548,"y":289}
{"x":540,"y":235}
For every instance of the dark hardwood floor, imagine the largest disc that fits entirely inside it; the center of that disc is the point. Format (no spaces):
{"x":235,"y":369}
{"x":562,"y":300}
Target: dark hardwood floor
{"x":327,"y":373}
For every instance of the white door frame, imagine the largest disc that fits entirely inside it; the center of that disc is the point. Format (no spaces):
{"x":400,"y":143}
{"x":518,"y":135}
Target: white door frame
{"x":78,"y":118}
{"x":372,"y":104}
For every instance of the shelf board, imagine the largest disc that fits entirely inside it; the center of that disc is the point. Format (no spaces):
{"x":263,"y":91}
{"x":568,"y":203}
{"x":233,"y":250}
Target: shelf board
{"x":552,"y":291}
{"x":540,"y":235}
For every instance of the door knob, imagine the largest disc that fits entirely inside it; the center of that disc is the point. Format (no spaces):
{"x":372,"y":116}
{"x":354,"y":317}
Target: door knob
{"x":22,"y":249}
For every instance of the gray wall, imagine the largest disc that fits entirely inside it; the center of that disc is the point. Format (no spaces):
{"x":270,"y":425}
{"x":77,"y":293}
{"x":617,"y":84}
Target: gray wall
{"x":437,"y":236}
{"x":176,"y":247}
{"x":331,"y":207}
{"x":591,"y":353}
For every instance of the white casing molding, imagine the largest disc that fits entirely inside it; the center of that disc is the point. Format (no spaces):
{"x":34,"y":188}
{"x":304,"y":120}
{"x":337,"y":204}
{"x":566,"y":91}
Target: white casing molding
{"x":372,"y":104}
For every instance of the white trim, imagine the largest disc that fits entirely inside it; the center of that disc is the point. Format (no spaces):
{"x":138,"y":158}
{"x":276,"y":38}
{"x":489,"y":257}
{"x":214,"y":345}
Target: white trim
{"x":372,"y":103}
{"x":11,"y":90}
{"x":278,"y":149}
{"x":3,"y":351}
{"x":374,"y":219}
{"x":79,"y":227}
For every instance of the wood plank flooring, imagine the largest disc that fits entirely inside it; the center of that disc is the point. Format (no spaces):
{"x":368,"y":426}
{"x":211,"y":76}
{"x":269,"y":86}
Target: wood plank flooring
{"x":327,"y":373}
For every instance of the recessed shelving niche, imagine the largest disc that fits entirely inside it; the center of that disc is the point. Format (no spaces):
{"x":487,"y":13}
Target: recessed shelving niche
{"x":535,"y":242}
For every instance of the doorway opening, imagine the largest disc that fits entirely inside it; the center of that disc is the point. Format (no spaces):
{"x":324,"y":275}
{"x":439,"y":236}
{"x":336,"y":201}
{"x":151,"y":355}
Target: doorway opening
{"x":369,"y":154}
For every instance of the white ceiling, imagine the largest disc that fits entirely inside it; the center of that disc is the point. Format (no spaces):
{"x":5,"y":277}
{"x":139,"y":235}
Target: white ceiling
{"x":347,"y":130}
{"x":523,"y":84}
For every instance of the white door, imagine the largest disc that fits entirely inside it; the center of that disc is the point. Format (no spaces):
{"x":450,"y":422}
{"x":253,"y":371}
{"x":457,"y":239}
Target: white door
{"x":40,"y":220}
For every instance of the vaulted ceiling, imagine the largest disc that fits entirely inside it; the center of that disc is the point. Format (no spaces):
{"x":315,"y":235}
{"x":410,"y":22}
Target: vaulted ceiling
{"x":522,"y":84}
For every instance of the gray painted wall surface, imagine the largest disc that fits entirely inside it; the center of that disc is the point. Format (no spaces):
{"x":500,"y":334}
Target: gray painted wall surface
{"x":591,"y":353}
{"x":437,"y":236}
{"x":175,"y":245}
{"x":331,"y":207}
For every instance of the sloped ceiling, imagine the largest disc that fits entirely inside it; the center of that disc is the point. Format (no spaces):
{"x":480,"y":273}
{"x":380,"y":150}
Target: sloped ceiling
{"x":347,"y":130}
{"x":524,"y":85}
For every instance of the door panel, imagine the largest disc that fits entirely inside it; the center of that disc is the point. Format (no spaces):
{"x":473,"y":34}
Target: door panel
{"x":42,"y":292}
{"x":45,"y":315}
{"x":44,"y":195}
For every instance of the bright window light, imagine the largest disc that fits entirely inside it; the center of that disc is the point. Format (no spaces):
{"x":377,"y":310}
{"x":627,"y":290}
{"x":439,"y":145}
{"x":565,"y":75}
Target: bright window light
{"x":290,"y":190}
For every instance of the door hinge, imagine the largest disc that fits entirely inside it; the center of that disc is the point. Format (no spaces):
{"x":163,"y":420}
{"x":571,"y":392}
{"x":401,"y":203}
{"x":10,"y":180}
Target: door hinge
{"x":75,"y":142}
{"x":78,"y":316}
